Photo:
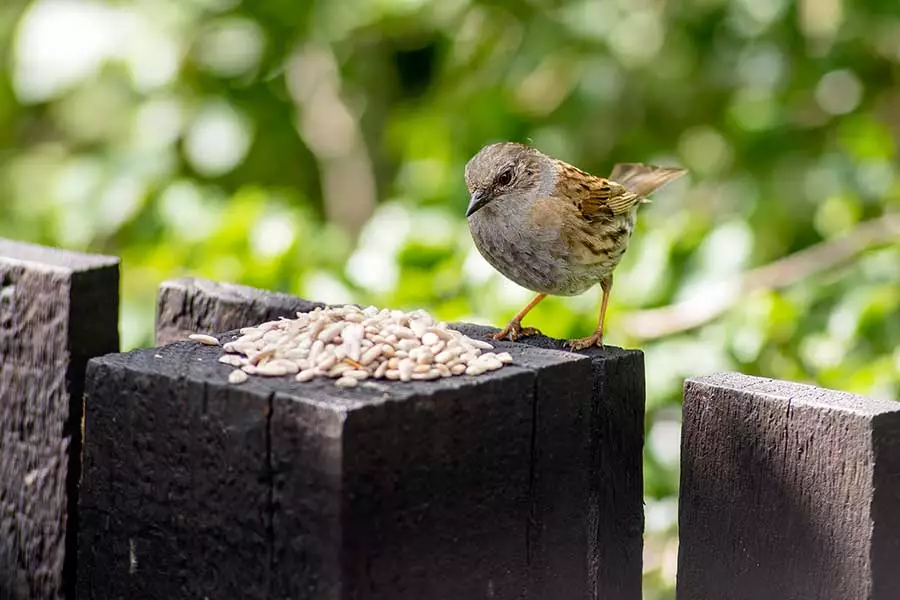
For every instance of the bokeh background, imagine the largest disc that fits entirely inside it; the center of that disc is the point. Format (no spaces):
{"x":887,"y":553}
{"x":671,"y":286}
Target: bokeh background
{"x":317,"y":147}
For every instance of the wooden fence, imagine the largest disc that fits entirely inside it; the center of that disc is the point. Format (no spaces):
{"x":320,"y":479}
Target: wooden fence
{"x":520,"y":483}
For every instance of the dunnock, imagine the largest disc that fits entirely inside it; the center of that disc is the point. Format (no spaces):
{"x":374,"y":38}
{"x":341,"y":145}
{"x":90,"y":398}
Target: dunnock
{"x":551,"y":227}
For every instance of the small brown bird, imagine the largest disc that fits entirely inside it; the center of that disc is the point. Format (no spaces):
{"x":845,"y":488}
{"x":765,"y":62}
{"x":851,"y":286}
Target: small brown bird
{"x":551,"y":227}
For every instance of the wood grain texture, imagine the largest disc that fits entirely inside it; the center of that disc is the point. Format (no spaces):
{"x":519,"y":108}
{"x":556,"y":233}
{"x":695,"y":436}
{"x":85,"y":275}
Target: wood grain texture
{"x":787,"y":491}
{"x":522,"y":483}
{"x":615,"y":511}
{"x":615,"y":425}
{"x":57,"y":310}
{"x":189,"y":305}
{"x":276,"y":489}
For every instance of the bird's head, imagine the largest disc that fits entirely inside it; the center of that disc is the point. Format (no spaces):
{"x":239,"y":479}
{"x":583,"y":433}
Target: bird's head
{"x":501,"y":171}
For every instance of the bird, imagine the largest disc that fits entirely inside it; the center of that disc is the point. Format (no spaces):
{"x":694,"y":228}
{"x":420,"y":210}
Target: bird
{"x":553,"y":228}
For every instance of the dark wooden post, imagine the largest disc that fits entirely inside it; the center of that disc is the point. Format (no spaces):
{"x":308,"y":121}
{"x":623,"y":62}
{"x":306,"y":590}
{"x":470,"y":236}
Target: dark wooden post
{"x":190,"y":305}
{"x":787,"y":491}
{"x":523,"y":483}
{"x":57,"y":310}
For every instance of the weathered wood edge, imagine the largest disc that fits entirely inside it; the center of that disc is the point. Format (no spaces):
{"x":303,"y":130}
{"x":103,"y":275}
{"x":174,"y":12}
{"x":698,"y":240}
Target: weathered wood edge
{"x":764,"y":388}
{"x":45,"y":257}
{"x":192,"y":305}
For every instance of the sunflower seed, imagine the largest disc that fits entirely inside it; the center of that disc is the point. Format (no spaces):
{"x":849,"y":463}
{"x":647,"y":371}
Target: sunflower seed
{"x":380,"y":371}
{"x":425,"y":357}
{"x":346,"y":382}
{"x":306,"y":375}
{"x":237,"y":376}
{"x":315,"y":350}
{"x":475,"y":369}
{"x":290,"y":367}
{"x":327,"y":359}
{"x":480,"y":344}
{"x":444,"y":334}
{"x":406,"y":369}
{"x":270,"y":370}
{"x":339,"y":370}
{"x":419,"y":327}
{"x":445,"y":356}
{"x":204,"y":339}
{"x":371,"y":354}
{"x":332,"y":332}
{"x":491,"y":363}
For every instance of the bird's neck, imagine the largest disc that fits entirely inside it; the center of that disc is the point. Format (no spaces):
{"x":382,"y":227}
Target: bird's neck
{"x":548,"y":179}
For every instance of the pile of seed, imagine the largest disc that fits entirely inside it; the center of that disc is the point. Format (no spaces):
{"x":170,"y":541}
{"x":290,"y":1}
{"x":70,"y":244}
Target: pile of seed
{"x":351,"y":344}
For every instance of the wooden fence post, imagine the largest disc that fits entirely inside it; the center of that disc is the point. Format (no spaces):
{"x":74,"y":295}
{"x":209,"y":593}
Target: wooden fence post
{"x":57,"y":310}
{"x":788,"y":491}
{"x":189,"y":305}
{"x":523,"y":483}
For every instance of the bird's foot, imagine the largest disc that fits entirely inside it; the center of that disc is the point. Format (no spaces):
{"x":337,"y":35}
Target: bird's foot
{"x":587,"y":342}
{"x":514,"y":331}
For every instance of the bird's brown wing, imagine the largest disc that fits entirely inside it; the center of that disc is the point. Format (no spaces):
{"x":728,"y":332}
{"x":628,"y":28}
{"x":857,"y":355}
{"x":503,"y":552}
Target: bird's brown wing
{"x":587,"y":241}
{"x":596,"y":198}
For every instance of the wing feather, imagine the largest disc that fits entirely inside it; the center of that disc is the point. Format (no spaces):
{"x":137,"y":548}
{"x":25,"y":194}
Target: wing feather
{"x":597,"y":198}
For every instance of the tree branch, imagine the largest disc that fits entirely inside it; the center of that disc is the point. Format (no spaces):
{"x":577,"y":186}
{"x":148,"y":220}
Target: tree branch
{"x":707,"y":306}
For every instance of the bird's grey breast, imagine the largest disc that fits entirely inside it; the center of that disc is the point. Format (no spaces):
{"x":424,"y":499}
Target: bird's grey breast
{"x":527,"y":255}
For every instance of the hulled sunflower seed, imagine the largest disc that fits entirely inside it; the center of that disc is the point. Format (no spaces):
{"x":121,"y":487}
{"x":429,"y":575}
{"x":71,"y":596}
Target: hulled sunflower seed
{"x":206,"y":340}
{"x":346,"y":382}
{"x":270,"y":370}
{"x":237,"y":376}
{"x":231,"y":360}
{"x":371,"y":354}
{"x":380,"y":371}
{"x":306,"y":375}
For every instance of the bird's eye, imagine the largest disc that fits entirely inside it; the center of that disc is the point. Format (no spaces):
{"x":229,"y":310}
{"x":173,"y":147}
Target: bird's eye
{"x":505,"y":177}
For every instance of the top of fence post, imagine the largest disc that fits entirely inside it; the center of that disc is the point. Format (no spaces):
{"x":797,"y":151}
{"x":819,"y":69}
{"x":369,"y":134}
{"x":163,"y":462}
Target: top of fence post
{"x":189,"y":305}
{"x":787,"y":491}
{"x":47,"y":258}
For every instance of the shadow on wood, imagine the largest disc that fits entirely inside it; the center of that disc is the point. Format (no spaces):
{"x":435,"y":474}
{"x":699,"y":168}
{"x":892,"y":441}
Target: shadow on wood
{"x":787,"y":491}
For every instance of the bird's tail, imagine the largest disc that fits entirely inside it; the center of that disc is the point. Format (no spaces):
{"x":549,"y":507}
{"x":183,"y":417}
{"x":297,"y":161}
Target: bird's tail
{"x":643,"y":180}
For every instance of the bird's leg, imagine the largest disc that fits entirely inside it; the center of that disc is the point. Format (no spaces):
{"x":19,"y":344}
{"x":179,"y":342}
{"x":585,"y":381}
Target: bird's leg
{"x":514,"y":329}
{"x":597,"y":338}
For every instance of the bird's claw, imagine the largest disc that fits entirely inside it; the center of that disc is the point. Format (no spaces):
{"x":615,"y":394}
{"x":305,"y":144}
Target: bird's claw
{"x":514,"y":331}
{"x":587,"y":342}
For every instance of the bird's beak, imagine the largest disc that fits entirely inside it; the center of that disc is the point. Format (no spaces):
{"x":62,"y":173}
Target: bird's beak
{"x":478,"y":200}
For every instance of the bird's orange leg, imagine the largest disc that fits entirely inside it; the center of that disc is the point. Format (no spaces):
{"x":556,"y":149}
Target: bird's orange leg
{"x":596,"y":339}
{"x":514,"y":329}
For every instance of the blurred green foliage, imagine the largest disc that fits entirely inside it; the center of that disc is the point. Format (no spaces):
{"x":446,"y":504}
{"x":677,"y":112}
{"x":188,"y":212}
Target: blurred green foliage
{"x":317,"y":147}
